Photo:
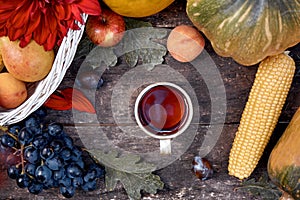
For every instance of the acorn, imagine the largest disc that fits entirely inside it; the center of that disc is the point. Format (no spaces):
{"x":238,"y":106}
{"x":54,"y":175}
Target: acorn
{"x":202,"y":168}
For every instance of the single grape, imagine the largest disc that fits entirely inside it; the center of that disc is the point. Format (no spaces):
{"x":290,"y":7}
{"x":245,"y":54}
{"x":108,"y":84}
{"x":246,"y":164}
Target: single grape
{"x":43,"y":174}
{"x":32,"y":121}
{"x":77,"y":153}
{"x":98,"y":170}
{"x":14,"y":129}
{"x":67,"y":192}
{"x":56,"y":145}
{"x":54,"y":163}
{"x":35,"y":188}
{"x":55,"y":183}
{"x":67,"y":140}
{"x":67,"y":182}
{"x":36,"y":130}
{"x":39,"y":142}
{"x":100,"y":83}
{"x":7,"y":141}
{"x":77,"y":182}
{"x":30,"y":169}
{"x":46,"y":135}
{"x":59,"y":174}
{"x":89,"y":186}
{"x":47,"y":152}
{"x":31,"y":154}
{"x":73,"y":170}
{"x":66,"y":153}
{"x":55,"y":129}
{"x":89,"y":176}
{"x":80,"y":163}
{"x":41,"y":113}
{"x":93,"y":172}
{"x":23,"y":181}
{"x":14,"y":171}
{"x":50,"y":184}
{"x":25,"y":136}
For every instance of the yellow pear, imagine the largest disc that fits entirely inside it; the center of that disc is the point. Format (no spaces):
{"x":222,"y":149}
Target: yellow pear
{"x":30,"y":63}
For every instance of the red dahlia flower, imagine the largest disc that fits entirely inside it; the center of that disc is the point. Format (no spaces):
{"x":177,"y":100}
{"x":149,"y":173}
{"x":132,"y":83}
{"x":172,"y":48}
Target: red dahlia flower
{"x":45,"y":21}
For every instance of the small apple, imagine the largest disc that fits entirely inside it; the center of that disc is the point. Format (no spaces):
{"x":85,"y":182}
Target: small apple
{"x":106,"y":29}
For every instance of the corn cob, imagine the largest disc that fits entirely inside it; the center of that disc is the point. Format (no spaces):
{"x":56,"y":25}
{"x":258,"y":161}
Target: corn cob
{"x":260,"y":116}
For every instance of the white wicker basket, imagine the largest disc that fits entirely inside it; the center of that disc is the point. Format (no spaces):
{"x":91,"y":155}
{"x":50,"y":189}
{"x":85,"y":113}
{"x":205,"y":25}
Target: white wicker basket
{"x":39,"y":92}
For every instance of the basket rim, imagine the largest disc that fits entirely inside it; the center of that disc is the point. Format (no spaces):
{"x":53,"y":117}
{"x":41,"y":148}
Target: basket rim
{"x":44,"y":88}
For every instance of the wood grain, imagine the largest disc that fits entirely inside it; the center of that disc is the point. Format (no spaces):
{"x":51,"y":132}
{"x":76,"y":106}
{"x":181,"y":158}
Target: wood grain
{"x":180,"y":182}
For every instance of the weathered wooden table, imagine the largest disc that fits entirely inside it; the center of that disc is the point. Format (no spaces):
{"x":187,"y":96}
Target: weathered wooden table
{"x":180,"y":182}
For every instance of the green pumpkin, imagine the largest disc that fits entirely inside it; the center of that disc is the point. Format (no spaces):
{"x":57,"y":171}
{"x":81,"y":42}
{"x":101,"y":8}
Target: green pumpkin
{"x":247,"y":30}
{"x":284,"y":160}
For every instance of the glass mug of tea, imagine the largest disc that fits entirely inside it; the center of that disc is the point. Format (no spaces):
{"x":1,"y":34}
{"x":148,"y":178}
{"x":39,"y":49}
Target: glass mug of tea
{"x":163,"y":110}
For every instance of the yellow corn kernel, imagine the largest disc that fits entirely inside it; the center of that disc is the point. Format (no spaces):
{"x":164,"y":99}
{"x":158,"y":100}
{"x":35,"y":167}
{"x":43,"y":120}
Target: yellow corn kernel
{"x":260,"y":116}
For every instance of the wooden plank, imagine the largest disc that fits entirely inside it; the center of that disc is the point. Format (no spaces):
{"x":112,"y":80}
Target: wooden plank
{"x":180,"y":183}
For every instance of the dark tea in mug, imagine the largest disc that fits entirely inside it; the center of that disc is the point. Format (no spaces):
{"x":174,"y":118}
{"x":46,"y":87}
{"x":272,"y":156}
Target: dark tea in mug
{"x":163,"y":109}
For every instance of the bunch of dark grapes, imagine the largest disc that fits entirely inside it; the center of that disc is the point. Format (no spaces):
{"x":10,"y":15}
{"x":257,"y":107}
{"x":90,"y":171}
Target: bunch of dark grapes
{"x":43,"y":156}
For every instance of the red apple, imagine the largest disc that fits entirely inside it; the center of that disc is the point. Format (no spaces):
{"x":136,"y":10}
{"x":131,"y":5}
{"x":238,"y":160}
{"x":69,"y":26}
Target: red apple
{"x":106,"y":29}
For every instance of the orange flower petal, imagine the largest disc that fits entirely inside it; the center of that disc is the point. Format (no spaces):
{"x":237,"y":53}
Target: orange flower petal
{"x":25,"y":40}
{"x":8,"y":5}
{"x":92,"y":7}
{"x":25,"y":10}
{"x":51,"y":41}
{"x":35,"y":20}
{"x":15,"y":34}
{"x":50,"y":22}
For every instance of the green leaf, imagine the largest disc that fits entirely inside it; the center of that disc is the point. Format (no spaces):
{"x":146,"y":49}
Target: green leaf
{"x":131,"y":58}
{"x":134,"y":173}
{"x":142,"y":44}
{"x":101,"y":56}
{"x":133,"y":183}
{"x":129,"y":163}
{"x":262,"y":187}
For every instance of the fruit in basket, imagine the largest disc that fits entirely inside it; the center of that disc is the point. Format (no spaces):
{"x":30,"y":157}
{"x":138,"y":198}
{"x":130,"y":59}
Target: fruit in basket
{"x":141,"y":8}
{"x":261,"y":113}
{"x":31,"y":63}
{"x":13,"y":92}
{"x":106,"y":29}
{"x":284,"y":160}
{"x":185,"y":43}
{"x":247,"y":31}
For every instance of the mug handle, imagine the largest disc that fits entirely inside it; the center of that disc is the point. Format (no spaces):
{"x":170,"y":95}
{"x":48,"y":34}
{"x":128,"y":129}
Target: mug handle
{"x":165,"y":146}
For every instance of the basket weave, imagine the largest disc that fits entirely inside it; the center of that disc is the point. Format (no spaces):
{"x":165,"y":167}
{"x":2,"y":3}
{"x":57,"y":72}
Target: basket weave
{"x":39,"y":92}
